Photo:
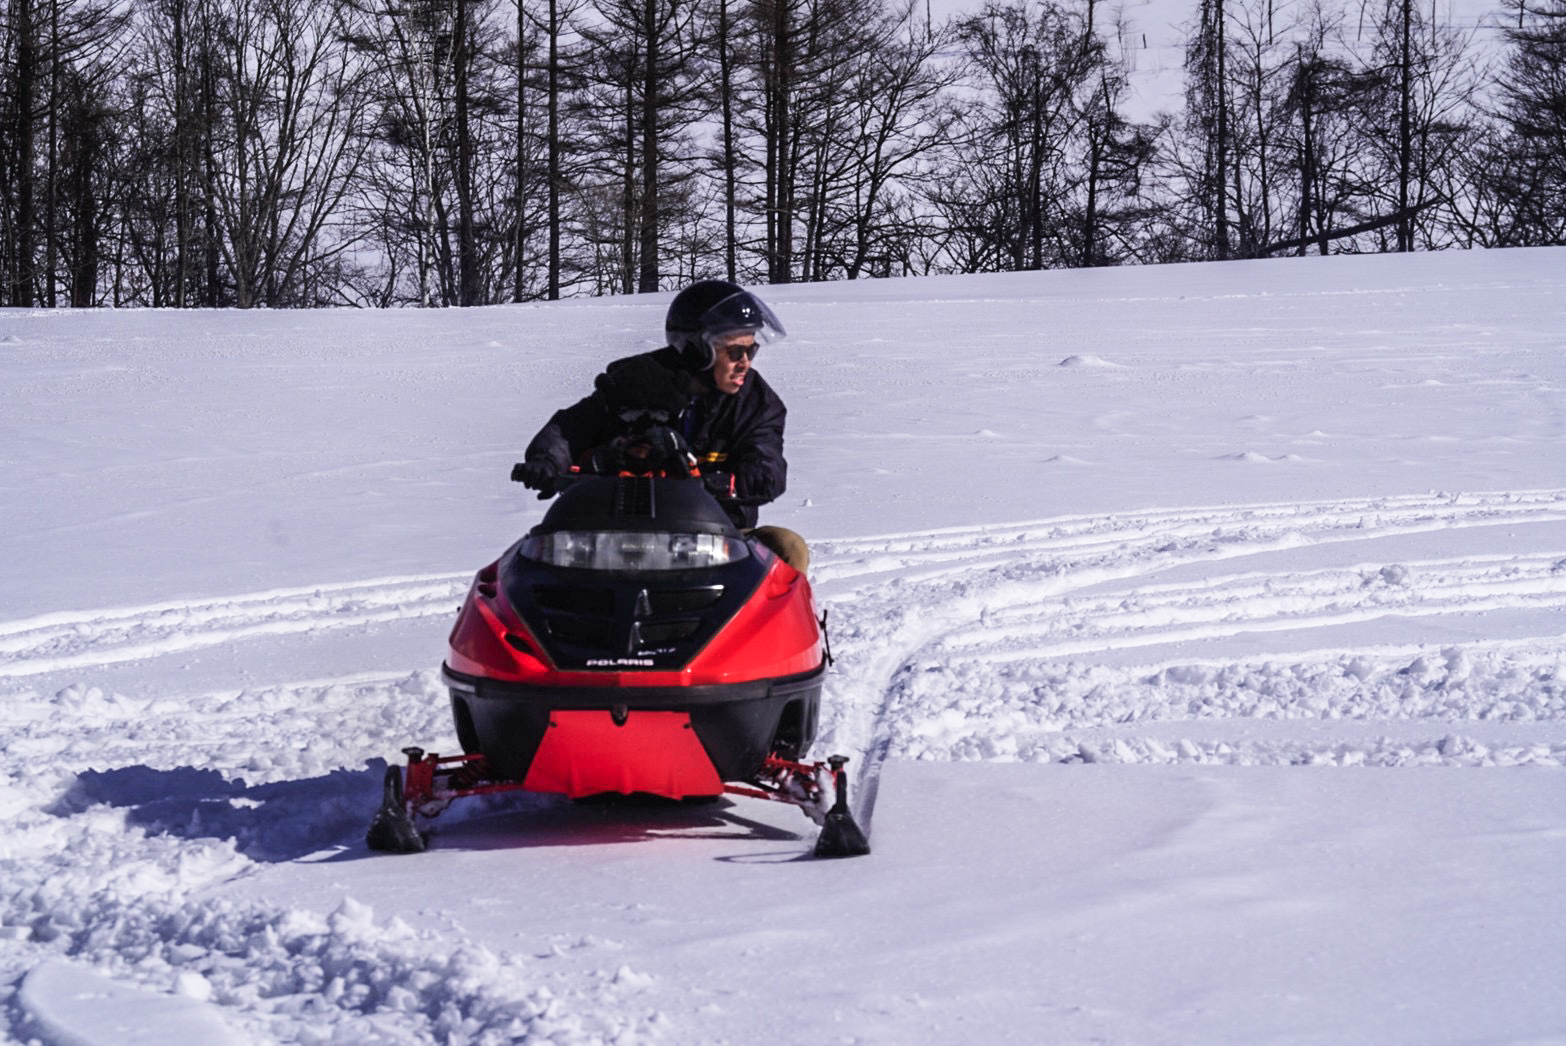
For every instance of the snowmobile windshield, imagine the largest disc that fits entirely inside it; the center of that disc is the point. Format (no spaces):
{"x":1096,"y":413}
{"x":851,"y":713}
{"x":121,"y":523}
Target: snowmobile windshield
{"x":741,"y":311}
{"x":632,"y":550}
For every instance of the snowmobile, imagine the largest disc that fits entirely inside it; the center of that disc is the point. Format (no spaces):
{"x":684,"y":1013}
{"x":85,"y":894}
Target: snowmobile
{"x":633,"y":643}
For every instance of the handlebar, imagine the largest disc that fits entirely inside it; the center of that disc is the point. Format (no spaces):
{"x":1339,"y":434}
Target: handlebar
{"x":577,"y":475}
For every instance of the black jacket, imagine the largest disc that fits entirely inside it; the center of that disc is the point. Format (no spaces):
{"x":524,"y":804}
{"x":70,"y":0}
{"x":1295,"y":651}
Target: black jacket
{"x":741,"y":434}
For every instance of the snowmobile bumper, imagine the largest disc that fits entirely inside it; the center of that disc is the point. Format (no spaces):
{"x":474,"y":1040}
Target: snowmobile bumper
{"x":736,"y":726}
{"x":430,"y":782}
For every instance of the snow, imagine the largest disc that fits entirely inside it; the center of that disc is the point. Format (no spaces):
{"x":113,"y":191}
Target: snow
{"x":1201,"y":638}
{"x":74,"y":1006}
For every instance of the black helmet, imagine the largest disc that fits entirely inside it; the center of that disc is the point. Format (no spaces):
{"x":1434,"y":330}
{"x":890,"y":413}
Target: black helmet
{"x":709,"y":308}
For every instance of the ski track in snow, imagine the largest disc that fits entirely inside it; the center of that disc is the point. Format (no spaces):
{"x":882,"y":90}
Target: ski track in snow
{"x":990,"y":642}
{"x":72,"y":641}
{"x":1005,"y":642}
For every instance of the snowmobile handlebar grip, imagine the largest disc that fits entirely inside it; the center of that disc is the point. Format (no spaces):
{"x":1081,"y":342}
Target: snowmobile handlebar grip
{"x":566,"y":479}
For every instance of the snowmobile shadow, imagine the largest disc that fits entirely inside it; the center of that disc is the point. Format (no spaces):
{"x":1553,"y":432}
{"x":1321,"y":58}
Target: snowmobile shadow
{"x":537,"y":821}
{"x":275,"y":822}
{"x":285,"y":821}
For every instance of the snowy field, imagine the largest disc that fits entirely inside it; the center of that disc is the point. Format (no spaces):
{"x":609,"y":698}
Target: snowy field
{"x":1206,"y":625}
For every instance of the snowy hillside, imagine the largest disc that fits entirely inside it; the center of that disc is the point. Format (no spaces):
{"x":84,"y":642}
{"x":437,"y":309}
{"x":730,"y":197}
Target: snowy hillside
{"x":1201,"y":639}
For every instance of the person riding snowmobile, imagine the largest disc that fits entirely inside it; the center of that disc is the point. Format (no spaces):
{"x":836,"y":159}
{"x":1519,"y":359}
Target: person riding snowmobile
{"x":701,"y":392}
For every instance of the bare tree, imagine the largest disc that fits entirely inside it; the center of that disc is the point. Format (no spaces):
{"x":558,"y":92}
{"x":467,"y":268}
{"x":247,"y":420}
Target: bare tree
{"x":168,"y":250}
{"x":1118,"y":155}
{"x":1418,"y":123}
{"x":900,"y":118}
{"x":57,"y":59}
{"x":86,"y":181}
{"x":803,"y":53}
{"x":724,"y":42}
{"x":559,"y":76}
{"x":455,"y":140}
{"x":1324,"y":91}
{"x":1524,"y":168}
{"x":292,"y":100}
{"x":644,"y":99}
{"x":21,"y":41}
{"x":408,"y":44}
{"x":1207,"y":119}
{"x":1041,"y":74}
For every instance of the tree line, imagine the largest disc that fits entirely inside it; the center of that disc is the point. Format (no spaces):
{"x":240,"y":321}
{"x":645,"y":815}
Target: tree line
{"x":298,"y":153}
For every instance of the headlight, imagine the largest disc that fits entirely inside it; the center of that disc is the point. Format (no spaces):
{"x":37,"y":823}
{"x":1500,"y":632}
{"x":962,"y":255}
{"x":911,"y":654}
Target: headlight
{"x":633,"y":550}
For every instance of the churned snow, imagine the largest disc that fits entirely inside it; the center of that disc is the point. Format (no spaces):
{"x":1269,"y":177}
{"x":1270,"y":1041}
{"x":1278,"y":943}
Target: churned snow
{"x":1201,"y":652}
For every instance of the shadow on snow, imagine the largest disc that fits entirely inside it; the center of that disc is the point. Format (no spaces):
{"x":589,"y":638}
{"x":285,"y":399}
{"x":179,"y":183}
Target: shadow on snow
{"x":291,"y":820}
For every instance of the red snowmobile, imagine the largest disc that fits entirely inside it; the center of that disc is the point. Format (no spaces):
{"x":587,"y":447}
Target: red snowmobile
{"x":635,"y":642}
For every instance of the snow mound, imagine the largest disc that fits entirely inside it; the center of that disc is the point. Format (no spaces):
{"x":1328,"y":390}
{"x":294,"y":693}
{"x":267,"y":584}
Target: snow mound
{"x":68,"y":1005}
{"x":1090,"y":361}
{"x":1251,"y":457}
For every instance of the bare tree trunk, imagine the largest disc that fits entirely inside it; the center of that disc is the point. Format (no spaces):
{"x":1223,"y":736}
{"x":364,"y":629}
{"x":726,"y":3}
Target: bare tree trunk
{"x":555,"y":177}
{"x":51,"y":227}
{"x":649,"y":215}
{"x":628,"y":238}
{"x":182,"y":167}
{"x":1035,"y":209}
{"x":23,"y":267}
{"x":780,"y":147}
{"x":520,"y":185}
{"x":1096,"y":143}
{"x":210,"y":250}
{"x":730,"y":174}
{"x":1307,"y":164}
{"x":1221,"y":41}
{"x":469,"y":292}
{"x":1405,"y":130}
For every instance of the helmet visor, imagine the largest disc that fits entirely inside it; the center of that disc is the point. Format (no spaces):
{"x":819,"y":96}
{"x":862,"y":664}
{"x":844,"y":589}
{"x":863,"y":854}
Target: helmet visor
{"x":741,"y":311}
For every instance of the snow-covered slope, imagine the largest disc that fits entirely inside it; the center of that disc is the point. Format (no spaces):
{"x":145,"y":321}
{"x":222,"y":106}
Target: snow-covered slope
{"x":1206,"y":623}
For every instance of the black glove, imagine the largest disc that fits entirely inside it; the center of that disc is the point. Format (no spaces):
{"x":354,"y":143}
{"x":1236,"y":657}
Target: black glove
{"x":669,"y":449}
{"x":604,"y":461}
{"x":658,"y":451}
{"x":537,"y":474}
{"x":719,"y":484}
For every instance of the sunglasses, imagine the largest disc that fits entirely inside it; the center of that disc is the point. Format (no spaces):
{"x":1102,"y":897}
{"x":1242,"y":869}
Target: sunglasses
{"x":735,"y":353}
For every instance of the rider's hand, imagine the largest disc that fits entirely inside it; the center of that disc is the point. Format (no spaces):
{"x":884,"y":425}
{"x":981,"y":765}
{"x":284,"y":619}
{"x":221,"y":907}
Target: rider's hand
{"x":719,"y":484}
{"x":669,"y":447}
{"x":537,"y":474}
{"x":605,"y":461}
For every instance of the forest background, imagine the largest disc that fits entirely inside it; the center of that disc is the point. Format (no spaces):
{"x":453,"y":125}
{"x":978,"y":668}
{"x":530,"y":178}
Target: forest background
{"x":299,"y":153}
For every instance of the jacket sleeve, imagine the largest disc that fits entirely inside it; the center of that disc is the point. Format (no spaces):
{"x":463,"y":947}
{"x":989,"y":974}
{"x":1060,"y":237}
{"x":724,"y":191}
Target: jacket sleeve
{"x":756,"y":461}
{"x":571,"y":432}
{"x":649,"y":381}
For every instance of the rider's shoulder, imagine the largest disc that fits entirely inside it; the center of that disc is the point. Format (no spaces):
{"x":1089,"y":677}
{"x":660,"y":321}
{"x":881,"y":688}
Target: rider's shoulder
{"x":664,"y":359}
{"x":649,"y":380}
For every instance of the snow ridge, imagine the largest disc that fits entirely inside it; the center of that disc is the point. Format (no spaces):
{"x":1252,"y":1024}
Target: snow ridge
{"x":1054,"y":641}
{"x":290,"y":975}
{"x":74,"y":641}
